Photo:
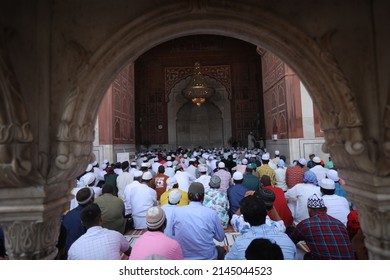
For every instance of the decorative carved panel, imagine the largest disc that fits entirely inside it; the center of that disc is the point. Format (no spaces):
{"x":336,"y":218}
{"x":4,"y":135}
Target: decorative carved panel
{"x":175,"y":74}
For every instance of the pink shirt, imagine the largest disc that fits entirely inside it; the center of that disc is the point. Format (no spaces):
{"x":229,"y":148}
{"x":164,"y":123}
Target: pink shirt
{"x":156,"y":243}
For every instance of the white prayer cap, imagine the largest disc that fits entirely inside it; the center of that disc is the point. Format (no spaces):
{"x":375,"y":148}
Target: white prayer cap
{"x":138,"y":173}
{"x":327,"y":184}
{"x":302,"y":161}
{"x":171,"y":181}
{"x":333,"y":175}
{"x":89,"y":168}
{"x":88,"y":178}
{"x":202,"y":168}
{"x":147,"y":176}
{"x":237,"y":176}
{"x":265,"y":156}
{"x":174,"y":197}
{"x":316,"y":160}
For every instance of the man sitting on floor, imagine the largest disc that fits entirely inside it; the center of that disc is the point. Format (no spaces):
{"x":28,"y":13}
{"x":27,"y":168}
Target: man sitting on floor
{"x":195,"y":226}
{"x":154,"y":242}
{"x":97,"y":243}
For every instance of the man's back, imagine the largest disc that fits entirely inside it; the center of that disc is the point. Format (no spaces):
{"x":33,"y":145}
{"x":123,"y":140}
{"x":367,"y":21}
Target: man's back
{"x":72,"y":223}
{"x":265,"y":169}
{"x":183,"y":201}
{"x":184,"y":180}
{"x":98,"y":244}
{"x":326,"y":237}
{"x":204,"y":180}
{"x":156,"y":243}
{"x":280,"y":205}
{"x":112,"y":209}
{"x":127,"y":195}
{"x":235,"y":194}
{"x":294,"y":175}
{"x":251,"y":182}
{"x":160,"y":184}
{"x":194,"y":226}
{"x":226,"y":178}
{"x":237,"y":251}
{"x":319,"y":171}
{"x":142,"y":198}
{"x":297,"y":200}
{"x":338,"y":207}
{"x":122,"y":181}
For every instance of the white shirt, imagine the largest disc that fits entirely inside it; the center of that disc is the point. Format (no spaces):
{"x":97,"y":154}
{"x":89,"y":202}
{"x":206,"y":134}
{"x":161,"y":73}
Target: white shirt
{"x":204,"y":180}
{"x":122,"y":181}
{"x":169,"y":171}
{"x":297,"y":198}
{"x":184,"y":180}
{"x":133,"y":170}
{"x":272,"y":165}
{"x":141,"y":199}
{"x":118,"y":171}
{"x":99,"y":174}
{"x":155,"y":166}
{"x":320,"y":172}
{"x":239,"y":224}
{"x":168,"y":210}
{"x":192,"y":170}
{"x":98,"y":244}
{"x":280,"y":175}
{"x":126,"y":196}
{"x":337,"y":207}
{"x":212,"y":164}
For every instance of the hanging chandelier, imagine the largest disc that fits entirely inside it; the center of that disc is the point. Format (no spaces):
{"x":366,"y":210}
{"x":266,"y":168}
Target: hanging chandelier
{"x":197,"y":91}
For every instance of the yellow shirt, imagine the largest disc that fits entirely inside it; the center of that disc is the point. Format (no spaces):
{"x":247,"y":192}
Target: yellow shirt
{"x":183,"y":200}
{"x":266,"y":170}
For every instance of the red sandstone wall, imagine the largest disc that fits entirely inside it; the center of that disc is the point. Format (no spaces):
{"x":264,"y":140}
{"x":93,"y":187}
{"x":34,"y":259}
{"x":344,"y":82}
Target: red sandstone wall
{"x":282,"y":98}
{"x":116,"y":113}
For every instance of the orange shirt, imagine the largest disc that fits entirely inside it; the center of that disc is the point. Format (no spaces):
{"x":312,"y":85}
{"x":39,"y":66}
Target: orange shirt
{"x":160,"y":184}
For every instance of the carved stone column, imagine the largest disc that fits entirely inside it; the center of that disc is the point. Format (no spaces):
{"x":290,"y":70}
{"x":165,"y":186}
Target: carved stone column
{"x":34,"y":188}
{"x":367,"y":185}
{"x":371,"y":196}
{"x":30,"y":217}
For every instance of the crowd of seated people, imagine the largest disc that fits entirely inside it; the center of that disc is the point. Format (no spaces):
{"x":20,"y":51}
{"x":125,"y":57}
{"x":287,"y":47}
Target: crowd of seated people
{"x":183,"y":202}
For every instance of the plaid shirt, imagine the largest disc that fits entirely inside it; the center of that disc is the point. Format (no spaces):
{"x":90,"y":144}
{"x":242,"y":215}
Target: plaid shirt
{"x":294,"y":175}
{"x":326,"y":237}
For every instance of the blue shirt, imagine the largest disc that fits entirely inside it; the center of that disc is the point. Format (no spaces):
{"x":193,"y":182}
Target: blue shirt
{"x":195,"y":226}
{"x":235,"y":194}
{"x":237,"y":251}
{"x":72,"y":223}
{"x":168,"y":210}
{"x":339,"y":190}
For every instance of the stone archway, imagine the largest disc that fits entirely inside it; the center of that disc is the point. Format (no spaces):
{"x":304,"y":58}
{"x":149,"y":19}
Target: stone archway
{"x":340,"y":117}
{"x":81,"y":87}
